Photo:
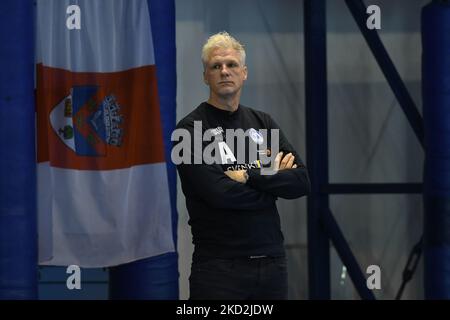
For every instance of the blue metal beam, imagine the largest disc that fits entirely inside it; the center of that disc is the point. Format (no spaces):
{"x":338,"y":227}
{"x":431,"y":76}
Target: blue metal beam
{"x":346,"y":255}
{"x":364,"y":188}
{"x":317,"y":145}
{"x":18,"y":220}
{"x":436,"y":111}
{"x":358,"y":10}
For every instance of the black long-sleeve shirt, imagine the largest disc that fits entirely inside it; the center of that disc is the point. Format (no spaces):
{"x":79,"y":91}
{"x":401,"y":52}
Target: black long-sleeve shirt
{"x":229,"y":218}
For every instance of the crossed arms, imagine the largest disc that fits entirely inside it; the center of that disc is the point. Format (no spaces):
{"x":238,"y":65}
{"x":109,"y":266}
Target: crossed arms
{"x":247,"y":189}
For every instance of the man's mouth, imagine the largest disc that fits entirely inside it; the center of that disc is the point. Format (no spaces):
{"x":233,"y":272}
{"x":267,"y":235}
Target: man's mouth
{"x":226,"y":82}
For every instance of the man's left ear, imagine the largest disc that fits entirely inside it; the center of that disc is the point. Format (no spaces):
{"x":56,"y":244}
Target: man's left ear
{"x":245,"y":72}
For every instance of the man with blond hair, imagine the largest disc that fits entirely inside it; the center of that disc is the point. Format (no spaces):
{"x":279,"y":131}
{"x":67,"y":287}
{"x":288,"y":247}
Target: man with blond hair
{"x":238,"y":243}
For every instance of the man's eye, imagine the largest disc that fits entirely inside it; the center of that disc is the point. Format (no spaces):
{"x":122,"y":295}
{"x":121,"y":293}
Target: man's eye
{"x":216,"y":66}
{"x":232,"y":65}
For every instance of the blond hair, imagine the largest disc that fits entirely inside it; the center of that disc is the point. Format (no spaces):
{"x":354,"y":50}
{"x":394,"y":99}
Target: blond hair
{"x":222,"y":40}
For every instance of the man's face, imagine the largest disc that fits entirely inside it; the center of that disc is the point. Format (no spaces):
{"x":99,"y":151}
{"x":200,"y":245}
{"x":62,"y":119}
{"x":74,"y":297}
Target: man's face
{"x":224,"y":73}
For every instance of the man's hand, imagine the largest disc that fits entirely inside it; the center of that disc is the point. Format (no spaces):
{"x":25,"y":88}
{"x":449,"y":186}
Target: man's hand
{"x":238,"y":175}
{"x":281,"y":163}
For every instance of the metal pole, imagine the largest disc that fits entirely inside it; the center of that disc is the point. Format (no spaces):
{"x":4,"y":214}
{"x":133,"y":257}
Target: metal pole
{"x":317,"y":146}
{"x":18,"y":225}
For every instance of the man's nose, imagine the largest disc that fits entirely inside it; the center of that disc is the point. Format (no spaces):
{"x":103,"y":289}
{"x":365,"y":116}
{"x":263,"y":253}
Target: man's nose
{"x":224,"y":70}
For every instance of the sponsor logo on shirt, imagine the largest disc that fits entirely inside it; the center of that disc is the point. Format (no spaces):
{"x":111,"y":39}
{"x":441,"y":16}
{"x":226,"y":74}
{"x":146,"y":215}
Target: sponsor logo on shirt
{"x":255,"y":136}
{"x":217,"y":131}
